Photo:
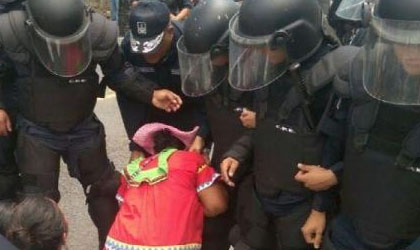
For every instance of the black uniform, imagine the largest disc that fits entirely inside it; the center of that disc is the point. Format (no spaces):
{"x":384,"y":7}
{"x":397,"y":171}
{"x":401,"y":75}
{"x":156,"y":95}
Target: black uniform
{"x":203,"y":59}
{"x":8,"y":169}
{"x":380,"y":181}
{"x":56,"y":116}
{"x":164,"y":75}
{"x":290,"y":64}
{"x":282,"y":130}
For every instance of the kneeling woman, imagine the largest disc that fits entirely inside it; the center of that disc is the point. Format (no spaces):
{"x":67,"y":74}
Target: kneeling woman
{"x":164,"y":197}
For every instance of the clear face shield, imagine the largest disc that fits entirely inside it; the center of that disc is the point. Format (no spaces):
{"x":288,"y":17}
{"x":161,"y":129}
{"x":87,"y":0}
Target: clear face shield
{"x":63,"y":56}
{"x":254,"y":62}
{"x":353,"y":10}
{"x":391,"y":65}
{"x":201,"y":73}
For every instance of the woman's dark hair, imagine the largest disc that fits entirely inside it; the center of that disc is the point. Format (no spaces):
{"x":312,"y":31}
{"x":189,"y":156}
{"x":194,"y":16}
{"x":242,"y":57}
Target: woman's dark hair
{"x":37,"y":223}
{"x":164,"y":139}
{"x":6,"y":212}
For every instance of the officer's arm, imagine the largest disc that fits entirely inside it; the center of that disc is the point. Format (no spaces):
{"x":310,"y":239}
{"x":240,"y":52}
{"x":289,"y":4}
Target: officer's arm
{"x":4,"y":75}
{"x":120,"y":77}
{"x":335,"y":144}
{"x":241,"y":150}
{"x":333,"y":152}
{"x":202,"y":119}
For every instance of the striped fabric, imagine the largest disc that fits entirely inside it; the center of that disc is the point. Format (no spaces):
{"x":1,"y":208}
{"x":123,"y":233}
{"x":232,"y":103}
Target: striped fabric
{"x":112,"y":244}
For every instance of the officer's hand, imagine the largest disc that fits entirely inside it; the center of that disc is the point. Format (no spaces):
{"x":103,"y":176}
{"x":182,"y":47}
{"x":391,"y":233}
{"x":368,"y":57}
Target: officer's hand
{"x":5,"y":123}
{"x":316,"y":178}
{"x":228,"y":168}
{"x":248,"y":118}
{"x":314,"y":228}
{"x":134,"y":4}
{"x":197,"y":145}
{"x":166,"y":100}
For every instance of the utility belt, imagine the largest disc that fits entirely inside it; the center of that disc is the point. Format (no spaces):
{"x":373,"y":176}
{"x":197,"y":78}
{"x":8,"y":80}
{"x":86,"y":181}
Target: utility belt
{"x":53,"y":127}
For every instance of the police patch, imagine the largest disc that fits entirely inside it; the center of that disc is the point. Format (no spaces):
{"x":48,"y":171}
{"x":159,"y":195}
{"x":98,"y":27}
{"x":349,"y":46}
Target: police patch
{"x":141,"y":28}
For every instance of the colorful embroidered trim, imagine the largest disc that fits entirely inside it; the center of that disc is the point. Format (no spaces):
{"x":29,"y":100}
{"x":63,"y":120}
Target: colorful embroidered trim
{"x":208,"y":183}
{"x":112,"y":244}
{"x":135,"y":174}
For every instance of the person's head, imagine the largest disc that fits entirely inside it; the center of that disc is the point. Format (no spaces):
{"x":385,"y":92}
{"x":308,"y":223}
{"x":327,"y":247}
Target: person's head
{"x":154,"y":137}
{"x":164,"y":139}
{"x":392,"y":52}
{"x":203,"y":50}
{"x":37,"y":223}
{"x":6,"y":212}
{"x":59,"y":34}
{"x":267,"y":36}
{"x":151,"y":32}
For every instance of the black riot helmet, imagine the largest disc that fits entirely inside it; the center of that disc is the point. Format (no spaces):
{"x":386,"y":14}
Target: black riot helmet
{"x":203,"y":50}
{"x":268,"y":35}
{"x":59,"y":33}
{"x":391,"y":61}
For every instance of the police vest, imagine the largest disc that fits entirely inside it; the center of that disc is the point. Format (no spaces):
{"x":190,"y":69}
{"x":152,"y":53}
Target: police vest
{"x":381,"y":182}
{"x":55,"y":102}
{"x":283,"y":139}
{"x":225,"y":125}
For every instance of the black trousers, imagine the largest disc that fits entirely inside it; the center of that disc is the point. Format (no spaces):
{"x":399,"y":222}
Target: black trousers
{"x":263,"y":231}
{"x":83,"y":150}
{"x":343,"y":235}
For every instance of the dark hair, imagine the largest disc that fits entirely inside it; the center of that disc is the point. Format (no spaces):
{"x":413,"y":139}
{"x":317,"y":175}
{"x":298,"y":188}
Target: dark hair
{"x":164,"y":139}
{"x":6,"y":212}
{"x":37,"y":223}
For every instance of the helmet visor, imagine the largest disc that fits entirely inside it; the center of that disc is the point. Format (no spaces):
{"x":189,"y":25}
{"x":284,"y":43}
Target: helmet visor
{"x":350,"y":10}
{"x":201,"y":73}
{"x":65,"y":57}
{"x":391,"y":62}
{"x":253,"y":61}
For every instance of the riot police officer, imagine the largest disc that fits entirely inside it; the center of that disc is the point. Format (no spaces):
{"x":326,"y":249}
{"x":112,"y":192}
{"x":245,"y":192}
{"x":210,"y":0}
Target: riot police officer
{"x":380,"y":183}
{"x":55,"y":47}
{"x":278,"y":49}
{"x":345,"y":16}
{"x":203,"y":53}
{"x":149,"y":50}
{"x":9,"y":179}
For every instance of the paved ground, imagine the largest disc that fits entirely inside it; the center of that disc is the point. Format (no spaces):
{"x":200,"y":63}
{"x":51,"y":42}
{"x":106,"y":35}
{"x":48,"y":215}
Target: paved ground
{"x":83,"y":235}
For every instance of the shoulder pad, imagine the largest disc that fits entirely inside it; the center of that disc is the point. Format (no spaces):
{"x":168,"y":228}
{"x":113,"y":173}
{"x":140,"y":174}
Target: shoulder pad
{"x":104,"y":36}
{"x":325,"y":70}
{"x":356,"y":89}
{"x":14,"y":39}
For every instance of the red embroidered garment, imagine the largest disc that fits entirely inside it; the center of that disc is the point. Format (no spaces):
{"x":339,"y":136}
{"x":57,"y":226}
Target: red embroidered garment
{"x":166,"y":215}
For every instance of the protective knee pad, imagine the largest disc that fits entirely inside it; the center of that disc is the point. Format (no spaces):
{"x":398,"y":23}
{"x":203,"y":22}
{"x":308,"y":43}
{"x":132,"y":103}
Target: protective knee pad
{"x":38,"y":165}
{"x":106,"y":186}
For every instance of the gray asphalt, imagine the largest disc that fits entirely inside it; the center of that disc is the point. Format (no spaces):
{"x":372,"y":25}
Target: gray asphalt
{"x":83,"y":235}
